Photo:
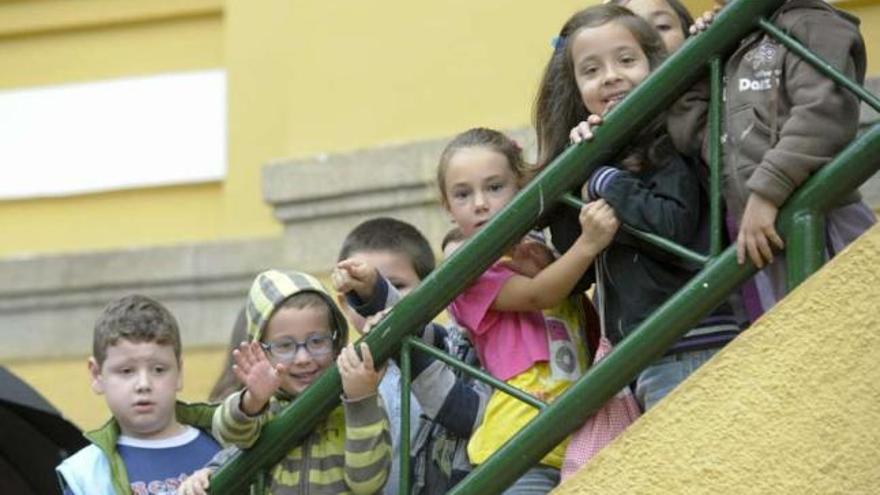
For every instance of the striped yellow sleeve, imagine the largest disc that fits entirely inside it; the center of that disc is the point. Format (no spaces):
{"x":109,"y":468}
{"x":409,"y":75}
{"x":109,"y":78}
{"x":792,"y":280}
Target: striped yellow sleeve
{"x":367,"y":445}
{"x":232,"y":426}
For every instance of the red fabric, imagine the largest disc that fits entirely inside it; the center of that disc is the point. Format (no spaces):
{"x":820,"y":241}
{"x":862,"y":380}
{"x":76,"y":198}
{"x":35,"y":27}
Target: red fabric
{"x":601,"y":428}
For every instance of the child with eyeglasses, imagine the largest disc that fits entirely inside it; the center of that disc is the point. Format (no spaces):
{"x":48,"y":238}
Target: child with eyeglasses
{"x":296,"y":332}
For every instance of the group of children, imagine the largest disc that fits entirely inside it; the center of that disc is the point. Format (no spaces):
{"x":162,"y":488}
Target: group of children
{"x":525,"y":320}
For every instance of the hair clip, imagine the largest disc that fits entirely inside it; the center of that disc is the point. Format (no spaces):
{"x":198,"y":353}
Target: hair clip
{"x":557,"y":43}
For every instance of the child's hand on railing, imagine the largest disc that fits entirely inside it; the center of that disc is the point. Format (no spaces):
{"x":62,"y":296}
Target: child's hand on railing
{"x":598,"y":226}
{"x":757,"y":231}
{"x":355,"y":275}
{"x":359,"y":377}
{"x":584,"y":130}
{"x":260,"y":377}
{"x":703,"y":22}
{"x":196,"y":483}
{"x":371,"y":321}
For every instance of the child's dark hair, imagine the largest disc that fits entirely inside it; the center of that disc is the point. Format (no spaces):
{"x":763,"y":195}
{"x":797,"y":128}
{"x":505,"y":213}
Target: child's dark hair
{"x":390,"y":234}
{"x":684,"y":16}
{"x":454,"y":235}
{"x":138,"y":319}
{"x":481,"y":137}
{"x":558,"y":106}
{"x":227,"y":383}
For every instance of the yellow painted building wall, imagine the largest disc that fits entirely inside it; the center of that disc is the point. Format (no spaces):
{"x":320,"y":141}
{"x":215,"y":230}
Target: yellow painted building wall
{"x":55,"y":42}
{"x":791,"y":406}
{"x":303,"y":77}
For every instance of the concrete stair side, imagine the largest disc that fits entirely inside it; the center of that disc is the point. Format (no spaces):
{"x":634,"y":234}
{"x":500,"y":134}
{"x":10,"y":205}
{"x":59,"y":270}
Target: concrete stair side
{"x":791,"y":406}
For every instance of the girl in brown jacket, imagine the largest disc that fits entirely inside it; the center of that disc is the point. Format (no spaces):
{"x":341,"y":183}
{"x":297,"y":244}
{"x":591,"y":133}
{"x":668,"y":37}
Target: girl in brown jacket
{"x":783,"y":120}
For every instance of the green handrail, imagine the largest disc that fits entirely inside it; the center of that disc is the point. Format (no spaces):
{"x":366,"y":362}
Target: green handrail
{"x":405,"y":386}
{"x":572,"y":168}
{"x":477,"y":373}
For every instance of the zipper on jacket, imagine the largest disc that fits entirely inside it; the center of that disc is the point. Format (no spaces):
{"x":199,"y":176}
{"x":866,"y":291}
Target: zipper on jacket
{"x":304,"y":469}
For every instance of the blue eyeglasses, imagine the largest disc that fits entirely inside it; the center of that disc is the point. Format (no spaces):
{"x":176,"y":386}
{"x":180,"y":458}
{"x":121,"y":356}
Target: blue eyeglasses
{"x":285,"y":349}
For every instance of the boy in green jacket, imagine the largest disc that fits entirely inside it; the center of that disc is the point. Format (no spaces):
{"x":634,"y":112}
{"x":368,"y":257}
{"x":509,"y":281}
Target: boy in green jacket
{"x":152,"y":442}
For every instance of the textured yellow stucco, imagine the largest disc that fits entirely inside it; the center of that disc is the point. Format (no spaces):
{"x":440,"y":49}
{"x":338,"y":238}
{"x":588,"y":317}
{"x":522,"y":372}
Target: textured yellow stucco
{"x":792,"y":406}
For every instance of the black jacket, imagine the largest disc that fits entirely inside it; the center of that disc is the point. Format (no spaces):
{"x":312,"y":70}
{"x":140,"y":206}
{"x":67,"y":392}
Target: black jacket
{"x":666,"y":200}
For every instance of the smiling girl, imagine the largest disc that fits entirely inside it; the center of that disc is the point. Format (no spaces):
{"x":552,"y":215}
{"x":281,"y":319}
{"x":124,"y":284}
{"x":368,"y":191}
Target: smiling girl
{"x":604,"y":52}
{"x":479,"y":173}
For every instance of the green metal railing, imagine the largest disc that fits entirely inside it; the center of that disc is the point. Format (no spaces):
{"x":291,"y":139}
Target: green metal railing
{"x":801,"y":221}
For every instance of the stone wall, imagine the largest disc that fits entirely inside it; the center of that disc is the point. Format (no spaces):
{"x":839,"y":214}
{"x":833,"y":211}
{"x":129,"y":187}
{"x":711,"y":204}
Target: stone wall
{"x":48,"y":304}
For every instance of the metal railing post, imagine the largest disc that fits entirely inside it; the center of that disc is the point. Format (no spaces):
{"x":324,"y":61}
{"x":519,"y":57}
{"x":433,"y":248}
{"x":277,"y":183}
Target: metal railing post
{"x":805,"y":249}
{"x":405,"y":426}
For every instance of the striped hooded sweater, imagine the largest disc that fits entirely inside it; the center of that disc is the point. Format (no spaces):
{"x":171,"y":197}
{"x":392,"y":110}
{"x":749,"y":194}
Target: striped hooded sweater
{"x":349,"y":451}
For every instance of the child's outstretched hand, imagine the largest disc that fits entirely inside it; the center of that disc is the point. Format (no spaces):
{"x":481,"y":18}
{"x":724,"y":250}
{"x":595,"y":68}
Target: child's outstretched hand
{"x":359,"y":378}
{"x":196,"y":484}
{"x":758,"y":231}
{"x":260,"y":377}
{"x":354,"y":275}
{"x":584,"y":130}
{"x":598,"y":225}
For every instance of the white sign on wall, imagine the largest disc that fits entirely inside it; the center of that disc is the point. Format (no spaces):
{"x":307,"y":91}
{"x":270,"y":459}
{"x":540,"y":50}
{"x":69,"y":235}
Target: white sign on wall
{"x":110,"y":135}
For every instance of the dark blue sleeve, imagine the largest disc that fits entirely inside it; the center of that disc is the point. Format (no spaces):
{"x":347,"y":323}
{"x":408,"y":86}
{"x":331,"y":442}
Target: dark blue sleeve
{"x":461,"y":410}
{"x":663,"y":200}
{"x":434,"y":335}
{"x":384,"y":296}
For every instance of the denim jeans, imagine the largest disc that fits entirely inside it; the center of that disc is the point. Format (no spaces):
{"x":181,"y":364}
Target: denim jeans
{"x":537,"y":481}
{"x":663,"y":375}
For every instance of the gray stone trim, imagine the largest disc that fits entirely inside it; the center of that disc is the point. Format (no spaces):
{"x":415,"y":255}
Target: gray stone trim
{"x":48,"y":304}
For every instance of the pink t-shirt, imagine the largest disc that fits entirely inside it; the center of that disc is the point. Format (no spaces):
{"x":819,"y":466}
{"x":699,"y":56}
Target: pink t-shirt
{"x":508,"y":342}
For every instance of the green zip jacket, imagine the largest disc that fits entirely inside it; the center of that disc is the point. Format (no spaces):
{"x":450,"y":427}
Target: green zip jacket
{"x":88,"y":470}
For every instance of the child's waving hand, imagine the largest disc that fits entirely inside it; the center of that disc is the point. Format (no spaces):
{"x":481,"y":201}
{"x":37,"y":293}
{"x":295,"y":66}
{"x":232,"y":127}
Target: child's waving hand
{"x":260,"y":377}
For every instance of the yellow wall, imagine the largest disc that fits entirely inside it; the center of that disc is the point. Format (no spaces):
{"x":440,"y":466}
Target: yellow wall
{"x":54,"y":42}
{"x":314,"y":76}
{"x":792,"y":406}
{"x":303,"y":77}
